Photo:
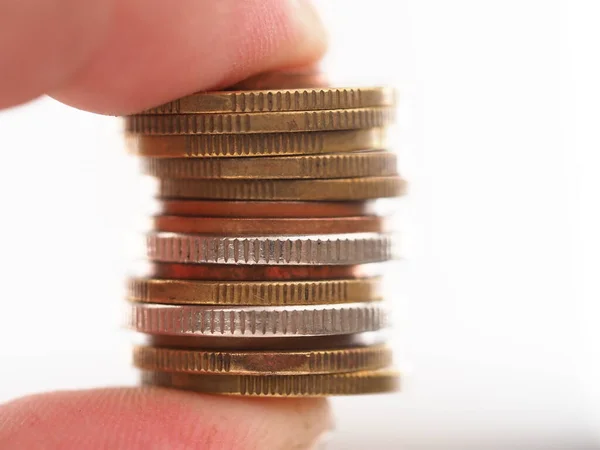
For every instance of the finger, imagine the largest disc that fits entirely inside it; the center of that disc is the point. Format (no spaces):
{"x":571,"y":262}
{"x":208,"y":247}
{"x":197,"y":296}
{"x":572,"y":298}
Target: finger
{"x":144,"y":418}
{"x":121,"y":56}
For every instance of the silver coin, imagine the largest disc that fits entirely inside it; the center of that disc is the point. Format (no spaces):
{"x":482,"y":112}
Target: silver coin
{"x":332,"y":249}
{"x":272,"y":321}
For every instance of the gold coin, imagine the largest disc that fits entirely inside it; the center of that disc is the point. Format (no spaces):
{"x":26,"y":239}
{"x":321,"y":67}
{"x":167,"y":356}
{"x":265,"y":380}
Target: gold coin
{"x":299,"y":190}
{"x":277,"y":100}
{"x":313,"y":385}
{"x":243,"y":145}
{"x":268,"y":122}
{"x":345,"y":165}
{"x":262,"y":362}
{"x":264,"y":293}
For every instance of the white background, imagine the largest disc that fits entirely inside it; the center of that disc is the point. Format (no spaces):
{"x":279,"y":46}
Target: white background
{"x":497,"y":299}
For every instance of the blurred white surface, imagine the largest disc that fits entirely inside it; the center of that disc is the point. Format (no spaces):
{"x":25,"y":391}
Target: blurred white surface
{"x":497,"y":300}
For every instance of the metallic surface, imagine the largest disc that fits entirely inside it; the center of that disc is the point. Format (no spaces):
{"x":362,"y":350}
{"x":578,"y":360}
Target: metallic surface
{"x":257,"y":321}
{"x":262,"y":362}
{"x":213,"y":208}
{"x":277,"y":100}
{"x":307,"y":190}
{"x":296,"y":343}
{"x":314,"y":385}
{"x":270,"y":233}
{"x":254,"y":273}
{"x":260,"y":122}
{"x":262,"y":293}
{"x":244,"y":145}
{"x":327,"y":249}
{"x":284,"y":79}
{"x":341,"y":165}
{"x":254,"y":226}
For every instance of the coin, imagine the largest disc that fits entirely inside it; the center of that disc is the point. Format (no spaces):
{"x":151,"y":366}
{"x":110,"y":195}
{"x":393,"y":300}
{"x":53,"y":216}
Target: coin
{"x":313,"y":385}
{"x":239,"y":226}
{"x":244,"y":145}
{"x":265,"y":293}
{"x":266,"y":272}
{"x":284,"y":79}
{"x":260,"y":122}
{"x":262,"y":362}
{"x":295,"y":343}
{"x":232,"y":208}
{"x":257,"y":321}
{"x":327,"y":249}
{"x":276,"y":209}
{"x":342,"y":165}
{"x":250,"y":101}
{"x":306,"y":190}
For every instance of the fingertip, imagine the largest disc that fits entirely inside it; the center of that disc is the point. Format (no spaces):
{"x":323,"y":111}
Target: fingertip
{"x":141,"y":418}
{"x":156,"y":52}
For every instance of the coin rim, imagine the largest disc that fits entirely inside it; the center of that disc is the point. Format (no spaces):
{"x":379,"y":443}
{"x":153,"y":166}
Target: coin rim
{"x":252,"y":226}
{"x":325,"y":166}
{"x":251,"y":362}
{"x":256,"y":144}
{"x":326,"y":249}
{"x":250,"y":101}
{"x":257,"y":321}
{"x":263,"y":122}
{"x":353,"y":383}
{"x":254,"y":293}
{"x":339,"y":189}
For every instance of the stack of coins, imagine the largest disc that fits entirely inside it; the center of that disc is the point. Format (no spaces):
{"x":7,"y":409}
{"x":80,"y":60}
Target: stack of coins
{"x":268,"y":247}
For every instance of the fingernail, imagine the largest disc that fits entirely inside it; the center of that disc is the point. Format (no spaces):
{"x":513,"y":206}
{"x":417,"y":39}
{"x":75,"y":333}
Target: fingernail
{"x":308,"y":22}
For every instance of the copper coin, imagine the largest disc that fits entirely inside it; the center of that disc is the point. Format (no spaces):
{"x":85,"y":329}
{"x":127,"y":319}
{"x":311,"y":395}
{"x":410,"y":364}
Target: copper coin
{"x":223,"y":272}
{"x":254,"y":226}
{"x":212,"y":208}
{"x":264,"y":343}
{"x":344,"y":189}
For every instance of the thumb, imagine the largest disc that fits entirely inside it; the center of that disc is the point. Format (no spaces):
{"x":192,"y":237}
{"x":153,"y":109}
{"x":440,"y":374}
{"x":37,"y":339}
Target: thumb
{"x":154,"y":418}
{"x":122,"y":56}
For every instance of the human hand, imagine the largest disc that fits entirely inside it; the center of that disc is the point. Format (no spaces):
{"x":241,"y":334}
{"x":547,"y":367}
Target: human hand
{"x":117,"y":57}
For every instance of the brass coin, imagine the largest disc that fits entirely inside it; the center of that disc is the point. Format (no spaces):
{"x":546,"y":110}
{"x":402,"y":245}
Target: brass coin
{"x":277,"y":100}
{"x":314,"y":385}
{"x":303,"y":190}
{"x":262,"y":362}
{"x":265,"y":293}
{"x":343,"y":165}
{"x":261,"y":122}
{"x":243,"y":145}
{"x":256,"y":273}
{"x":262,"y":209}
{"x":238,"y":226}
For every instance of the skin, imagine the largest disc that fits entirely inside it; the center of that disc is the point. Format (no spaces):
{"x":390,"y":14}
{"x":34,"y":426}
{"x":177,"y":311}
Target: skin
{"x":117,"y":57}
